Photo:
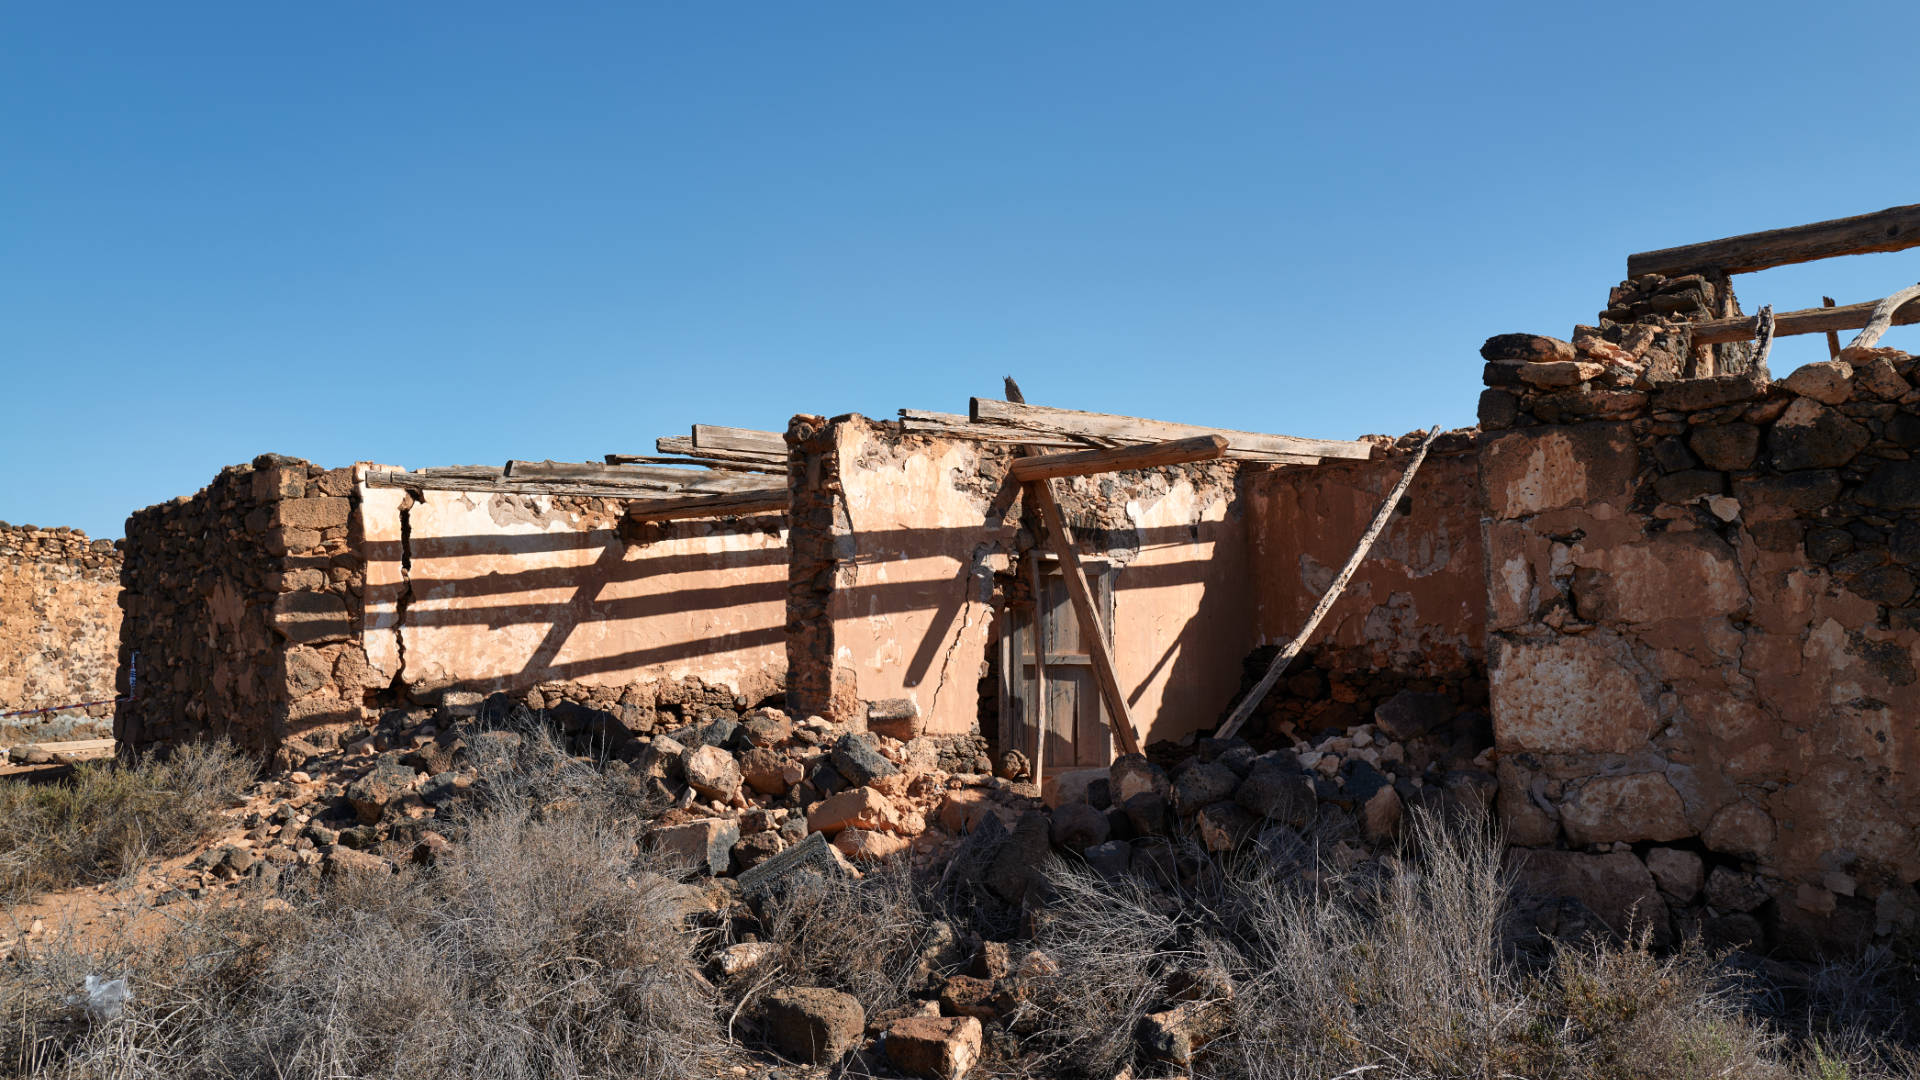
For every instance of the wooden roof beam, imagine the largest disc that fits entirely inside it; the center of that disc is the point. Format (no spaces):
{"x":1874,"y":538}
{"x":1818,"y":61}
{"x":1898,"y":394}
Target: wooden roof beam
{"x":1805,"y":321}
{"x":1145,"y":456}
{"x":745,"y":504}
{"x":1894,"y":229}
{"x":746,"y":440}
{"x":1075,"y":424}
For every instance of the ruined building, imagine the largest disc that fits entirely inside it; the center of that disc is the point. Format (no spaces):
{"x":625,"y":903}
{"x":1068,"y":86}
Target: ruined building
{"x":1673,"y":596}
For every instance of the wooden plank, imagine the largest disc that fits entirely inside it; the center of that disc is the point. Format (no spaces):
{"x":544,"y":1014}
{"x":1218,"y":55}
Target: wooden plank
{"x":680,"y":444}
{"x":701,"y":477}
{"x":1279,"y":666}
{"x":1039,"y":672}
{"x":746,"y":440}
{"x":1144,"y":456}
{"x":1092,"y":629}
{"x":637,"y":489}
{"x":1894,"y":229}
{"x":1804,"y":321}
{"x":709,"y":506}
{"x":724,"y":464}
{"x":953,"y":425}
{"x":1070,"y":422}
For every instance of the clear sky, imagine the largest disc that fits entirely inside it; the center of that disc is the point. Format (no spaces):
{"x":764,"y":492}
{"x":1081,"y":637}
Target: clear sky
{"x":428,"y":234}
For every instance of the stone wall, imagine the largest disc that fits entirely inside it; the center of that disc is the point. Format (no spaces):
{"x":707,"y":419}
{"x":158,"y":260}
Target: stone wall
{"x":1703,"y":631}
{"x":905,"y":545}
{"x":1414,"y":617}
{"x":59,"y":622}
{"x":240,"y":601}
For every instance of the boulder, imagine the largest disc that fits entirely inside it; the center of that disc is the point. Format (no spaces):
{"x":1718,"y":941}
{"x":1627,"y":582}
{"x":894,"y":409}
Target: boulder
{"x":1828,"y":382}
{"x":856,"y":758}
{"x":1616,"y":887}
{"x":1278,"y":793}
{"x":769,"y":772}
{"x":812,"y":1024}
{"x":861,"y":808}
{"x":1224,"y":825}
{"x":712,"y":772}
{"x":1111,"y":859}
{"x":1679,"y":874}
{"x":380,"y":788}
{"x":706,"y":845}
{"x":1527,"y":349}
{"x":1078,"y":826}
{"x":1633,"y":807}
{"x":934,"y":1047}
{"x":1147,"y":813}
{"x":1132,"y":774}
{"x":1201,"y":784}
{"x":869,"y":846}
{"x":1020,"y":863}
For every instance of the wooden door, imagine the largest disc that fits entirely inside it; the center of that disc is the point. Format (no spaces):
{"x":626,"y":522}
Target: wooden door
{"x":1073,"y":716}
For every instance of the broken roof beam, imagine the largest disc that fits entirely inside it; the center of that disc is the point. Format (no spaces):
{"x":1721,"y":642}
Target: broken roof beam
{"x":1805,"y":321}
{"x":420,"y":481}
{"x":701,"y":478}
{"x":741,"y":440}
{"x":1894,"y":229}
{"x":725,"y":464}
{"x":744,"y":504}
{"x":684,"y":446}
{"x":1144,"y":456}
{"x":1071,"y":423}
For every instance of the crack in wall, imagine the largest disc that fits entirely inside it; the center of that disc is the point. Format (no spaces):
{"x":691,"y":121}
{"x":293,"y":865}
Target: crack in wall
{"x":404,"y":598}
{"x":966,"y":623}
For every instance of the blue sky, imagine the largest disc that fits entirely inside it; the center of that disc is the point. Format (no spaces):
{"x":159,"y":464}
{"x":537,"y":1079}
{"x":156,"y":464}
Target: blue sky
{"x":444,"y":234}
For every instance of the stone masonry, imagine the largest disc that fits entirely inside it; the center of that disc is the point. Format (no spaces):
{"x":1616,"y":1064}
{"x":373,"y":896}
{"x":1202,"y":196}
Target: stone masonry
{"x":59,"y":619}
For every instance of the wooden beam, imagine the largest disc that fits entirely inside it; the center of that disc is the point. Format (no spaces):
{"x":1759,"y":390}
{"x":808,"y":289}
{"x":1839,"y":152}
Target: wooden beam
{"x":714,"y":437}
{"x":1805,"y":321}
{"x":1144,"y":456}
{"x":1882,"y":317}
{"x":709,"y":506}
{"x":725,"y":464}
{"x":1072,"y":423}
{"x":1893,"y":229}
{"x":1833,"y":336}
{"x":692,"y":476}
{"x":1091,"y":626}
{"x":1279,"y":666}
{"x":635,"y":489}
{"x":680,"y":444}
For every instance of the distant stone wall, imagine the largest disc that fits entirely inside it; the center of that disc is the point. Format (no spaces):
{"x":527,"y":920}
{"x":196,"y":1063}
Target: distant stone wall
{"x":1703,"y":631}
{"x":243,"y":601}
{"x":59,"y":619}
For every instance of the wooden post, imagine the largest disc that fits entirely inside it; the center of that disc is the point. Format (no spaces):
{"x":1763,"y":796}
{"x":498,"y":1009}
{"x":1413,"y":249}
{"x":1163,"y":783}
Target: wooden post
{"x":1279,"y":665}
{"x":1833,"y":336}
{"x":1091,"y":626}
{"x":1039,"y":672}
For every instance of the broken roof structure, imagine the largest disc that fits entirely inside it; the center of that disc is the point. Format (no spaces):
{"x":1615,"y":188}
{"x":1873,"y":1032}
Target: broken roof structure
{"x":1671,"y":598}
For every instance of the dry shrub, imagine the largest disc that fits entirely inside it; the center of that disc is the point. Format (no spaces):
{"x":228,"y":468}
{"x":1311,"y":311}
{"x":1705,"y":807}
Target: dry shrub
{"x":547,"y":947}
{"x":863,"y":937}
{"x":109,"y":816}
{"x":1399,"y":973}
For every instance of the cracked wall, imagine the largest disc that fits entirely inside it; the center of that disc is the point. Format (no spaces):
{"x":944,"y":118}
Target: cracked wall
{"x":1704,"y":637}
{"x":475,"y":593}
{"x":1414,"y":615}
{"x":59,"y":625}
{"x":899,"y":539}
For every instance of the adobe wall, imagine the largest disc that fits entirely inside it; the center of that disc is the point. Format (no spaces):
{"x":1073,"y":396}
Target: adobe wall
{"x":480,"y":593}
{"x":903,"y":543}
{"x":59,"y":620}
{"x":289,"y":601}
{"x":1704,"y":634}
{"x":1414,"y":616}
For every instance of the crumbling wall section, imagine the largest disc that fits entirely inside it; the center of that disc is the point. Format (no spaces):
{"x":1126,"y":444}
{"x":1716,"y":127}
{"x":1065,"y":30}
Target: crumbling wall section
{"x":1414,"y":616}
{"x":242,"y":602}
{"x":479,"y":592}
{"x":1704,"y":634}
{"x":904,"y":546}
{"x":59,"y":619}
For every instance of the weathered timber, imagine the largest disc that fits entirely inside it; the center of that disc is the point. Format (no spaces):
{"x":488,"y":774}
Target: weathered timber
{"x":1882,"y":317}
{"x":1833,"y":336}
{"x":1804,"y":321}
{"x":680,"y":444}
{"x":1042,"y":705}
{"x":697,"y":479}
{"x":920,"y":422}
{"x":382,"y":478}
{"x":1279,"y":666}
{"x":770,"y":501}
{"x":1119,"y":716}
{"x":714,"y":437}
{"x":1894,"y":229}
{"x":1143,"y":456}
{"x":1070,"y":422}
{"x":724,"y":464}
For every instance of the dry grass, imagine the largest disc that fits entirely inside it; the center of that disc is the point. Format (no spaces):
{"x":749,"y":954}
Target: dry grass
{"x":548,"y":948}
{"x":109,"y":816}
{"x":863,"y":937}
{"x":1402,"y":974}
